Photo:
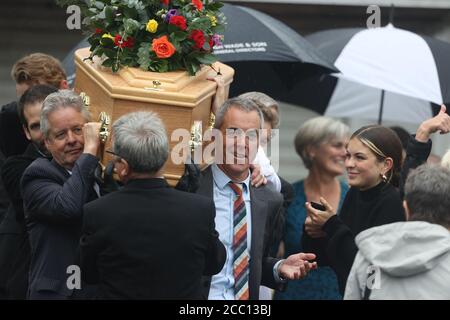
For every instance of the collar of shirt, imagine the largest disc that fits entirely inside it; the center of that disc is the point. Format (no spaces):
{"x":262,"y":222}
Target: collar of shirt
{"x":221,"y":180}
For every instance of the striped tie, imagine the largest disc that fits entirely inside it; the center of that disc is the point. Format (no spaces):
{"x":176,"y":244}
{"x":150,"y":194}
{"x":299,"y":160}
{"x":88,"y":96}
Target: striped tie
{"x":240,"y":250}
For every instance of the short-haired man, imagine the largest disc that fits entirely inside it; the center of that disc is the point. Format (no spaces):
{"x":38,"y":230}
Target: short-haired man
{"x":54,"y":192}
{"x":33,"y":69}
{"x":14,"y":243}
{"x":148,"y":241}
{"x":408,"y":260}
{"x":244,"y":214}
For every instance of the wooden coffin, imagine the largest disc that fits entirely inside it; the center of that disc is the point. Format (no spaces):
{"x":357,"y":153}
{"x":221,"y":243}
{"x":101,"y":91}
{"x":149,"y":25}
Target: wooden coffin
{"x":179,"y":99}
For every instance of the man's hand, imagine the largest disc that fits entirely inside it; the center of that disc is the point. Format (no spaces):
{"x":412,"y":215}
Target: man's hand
{"x":257,"y":178}
{"x":91,"y":132}
{"x":220,"y":96}
{"x":441,"y":123}
{"x":297,"y":266}
{"x":316,"y":218}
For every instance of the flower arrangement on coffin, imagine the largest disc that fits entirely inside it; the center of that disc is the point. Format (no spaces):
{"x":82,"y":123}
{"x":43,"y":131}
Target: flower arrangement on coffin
{"x":155,"y":35}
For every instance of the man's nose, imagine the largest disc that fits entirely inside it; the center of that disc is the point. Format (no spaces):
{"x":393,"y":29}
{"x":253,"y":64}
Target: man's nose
{"x":71,"y":137}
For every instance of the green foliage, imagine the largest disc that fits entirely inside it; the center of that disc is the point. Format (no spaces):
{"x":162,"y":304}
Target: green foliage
{"x":118,"y":32}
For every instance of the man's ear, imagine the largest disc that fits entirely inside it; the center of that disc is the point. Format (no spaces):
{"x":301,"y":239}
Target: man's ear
{"x":47,"y":143}
{"x":405,"y":206}
{"x":123,"y":169}
{"x":27,"y":133}
{"x":63,"y":84}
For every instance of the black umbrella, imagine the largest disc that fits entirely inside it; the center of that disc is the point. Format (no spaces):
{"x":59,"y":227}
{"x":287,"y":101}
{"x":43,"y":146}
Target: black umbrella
{"x":387,"y":73}
{"x":266,"y":54}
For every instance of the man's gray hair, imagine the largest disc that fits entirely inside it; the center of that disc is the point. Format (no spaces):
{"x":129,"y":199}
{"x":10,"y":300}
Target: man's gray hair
{"x":58,"y":100}
{"x":427,"y":193}
{"x":240,"y":103}
{"x":316,"y":131}
{"x":140,"y":138}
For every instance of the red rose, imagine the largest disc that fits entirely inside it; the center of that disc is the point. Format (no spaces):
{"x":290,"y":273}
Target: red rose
{"x":98,"y":31}
{"x":198,"y":4}
{"x":128,"y":43}
{"x":198,"y":37}
{"x":211,"y":43}
{"x":179,"y":21}
{"x":166,"y":2}
{"x":163,"y":48}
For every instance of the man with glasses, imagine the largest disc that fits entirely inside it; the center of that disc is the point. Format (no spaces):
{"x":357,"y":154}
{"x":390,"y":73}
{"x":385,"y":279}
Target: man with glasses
{"x":54,"y":192}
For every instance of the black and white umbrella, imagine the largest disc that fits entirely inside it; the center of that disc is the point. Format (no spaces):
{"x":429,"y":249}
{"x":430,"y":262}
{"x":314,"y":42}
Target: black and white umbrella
{"x":386,"y":73}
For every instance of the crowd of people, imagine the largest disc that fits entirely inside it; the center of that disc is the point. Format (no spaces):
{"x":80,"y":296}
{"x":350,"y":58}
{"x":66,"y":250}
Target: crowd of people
{"x":234,"y":231}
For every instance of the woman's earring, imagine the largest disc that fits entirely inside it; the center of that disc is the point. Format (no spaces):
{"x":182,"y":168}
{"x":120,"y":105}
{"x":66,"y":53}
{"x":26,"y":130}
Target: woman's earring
{"x":383,"y":177}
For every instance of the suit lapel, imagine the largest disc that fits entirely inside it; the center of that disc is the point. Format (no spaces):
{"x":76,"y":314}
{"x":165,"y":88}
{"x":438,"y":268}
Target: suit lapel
{"x":258,"y":218}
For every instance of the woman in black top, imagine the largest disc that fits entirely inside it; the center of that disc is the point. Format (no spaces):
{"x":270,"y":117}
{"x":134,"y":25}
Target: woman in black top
{"x":373,"y":164}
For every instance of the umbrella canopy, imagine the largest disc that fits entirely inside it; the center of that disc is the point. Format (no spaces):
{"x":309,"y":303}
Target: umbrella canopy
{"x":266,"y":54}
{"x":386,"y":72}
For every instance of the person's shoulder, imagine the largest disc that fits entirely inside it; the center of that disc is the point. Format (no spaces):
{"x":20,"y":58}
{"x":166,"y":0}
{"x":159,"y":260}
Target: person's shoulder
{"x":39,"y":167}
{"x":391,"y":193}
{"x":187,"y":197}
{"x":16,"y":163}
{"x":267,"y":193}
{"x":10,"y":108}
{"x":41,"y":163}
{"x":108,"y":200}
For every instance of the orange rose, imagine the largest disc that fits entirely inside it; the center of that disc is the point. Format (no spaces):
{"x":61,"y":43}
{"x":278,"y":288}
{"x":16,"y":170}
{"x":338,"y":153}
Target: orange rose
{"x":163,"y":48}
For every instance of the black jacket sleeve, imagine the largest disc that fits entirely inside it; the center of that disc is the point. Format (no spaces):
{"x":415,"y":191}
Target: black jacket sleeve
{"x":216,"y":255}
{"x":340,"y":249}
{"x":416,"y":154}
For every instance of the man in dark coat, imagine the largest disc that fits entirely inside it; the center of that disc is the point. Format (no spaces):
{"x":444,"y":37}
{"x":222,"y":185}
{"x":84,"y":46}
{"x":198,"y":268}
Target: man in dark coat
{"x":148,"y":241}
{"x":54,"y":192}
{"x":14,"y":242}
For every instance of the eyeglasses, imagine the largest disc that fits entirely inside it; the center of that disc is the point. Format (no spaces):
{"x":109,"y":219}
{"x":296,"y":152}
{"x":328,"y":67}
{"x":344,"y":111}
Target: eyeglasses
{"x":118,"y":157}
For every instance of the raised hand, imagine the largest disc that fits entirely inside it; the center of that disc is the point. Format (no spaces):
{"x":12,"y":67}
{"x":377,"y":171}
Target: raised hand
{"x":441,"y":123}
{"x":91,"y":132}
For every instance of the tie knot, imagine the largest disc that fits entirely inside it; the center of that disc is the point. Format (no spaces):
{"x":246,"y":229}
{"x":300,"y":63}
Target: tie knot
{"x":237,"y":188}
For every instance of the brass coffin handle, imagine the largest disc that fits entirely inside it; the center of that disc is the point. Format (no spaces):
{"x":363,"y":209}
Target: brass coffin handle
{"x":196,"y":135}
{"x":105,"y":120}
{"x":86,"y":99}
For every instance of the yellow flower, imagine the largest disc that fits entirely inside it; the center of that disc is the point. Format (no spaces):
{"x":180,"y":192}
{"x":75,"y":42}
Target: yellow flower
{"x":213,"y":20}
{"x":107,"y":35}
{"x":152,"y":26}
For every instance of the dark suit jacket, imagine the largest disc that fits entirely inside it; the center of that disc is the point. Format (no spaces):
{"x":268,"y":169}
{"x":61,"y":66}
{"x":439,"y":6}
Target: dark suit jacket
{"x":14,"y":242}
{"x":12,"y":138}
{"x":265,"y":210}
{"x":149,"y":241}
{"x":53,"y":203}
